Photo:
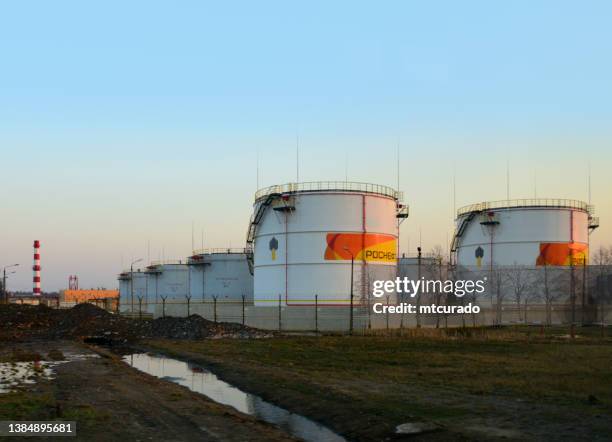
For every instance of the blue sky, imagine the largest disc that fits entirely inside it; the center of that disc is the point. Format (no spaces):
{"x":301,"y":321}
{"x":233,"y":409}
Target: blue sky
{"x":121,"y":123}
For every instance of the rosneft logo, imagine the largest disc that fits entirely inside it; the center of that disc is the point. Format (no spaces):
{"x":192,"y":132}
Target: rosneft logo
{"x":273,"y":247}
{"x":562,"y":254}
{"x":372,"y":255}
{"x":371,"y":247}
{"x":479,"y":254}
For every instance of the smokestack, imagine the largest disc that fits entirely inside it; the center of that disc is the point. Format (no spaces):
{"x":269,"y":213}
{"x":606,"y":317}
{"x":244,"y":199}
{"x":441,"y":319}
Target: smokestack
{"x":36,"y":268}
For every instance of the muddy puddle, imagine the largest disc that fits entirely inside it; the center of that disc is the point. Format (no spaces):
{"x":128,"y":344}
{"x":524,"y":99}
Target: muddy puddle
{"x":202,"y":381}
{"x":14,"y":374}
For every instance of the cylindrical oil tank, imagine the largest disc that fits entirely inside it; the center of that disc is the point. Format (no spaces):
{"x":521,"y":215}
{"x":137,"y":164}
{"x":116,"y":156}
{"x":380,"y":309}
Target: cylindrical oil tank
{"x":169,"y":279}
{"x":124,"y":285}
{"x":222,"y":274}
{"x":132,"y":285}
{"x":525,"y":232}
{"x":309,"y":239}
{"x":413,"y":267}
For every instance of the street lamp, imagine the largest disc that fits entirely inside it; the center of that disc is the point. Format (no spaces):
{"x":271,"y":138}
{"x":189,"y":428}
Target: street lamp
{"x":132,"y":281}
{"x":5,"y":275}
{"x":4,"y":292}
{"x":352,"y":267}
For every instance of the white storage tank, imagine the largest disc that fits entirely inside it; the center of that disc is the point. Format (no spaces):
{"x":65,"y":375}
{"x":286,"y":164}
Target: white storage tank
{"x":413,"y":267}
{"x":131,"y":286}
{"x":220,"y":273}
{"x":124,"y":285}
{"x":170,"y":279}
{"x":524,"y":232}
{"x":304,"y":236}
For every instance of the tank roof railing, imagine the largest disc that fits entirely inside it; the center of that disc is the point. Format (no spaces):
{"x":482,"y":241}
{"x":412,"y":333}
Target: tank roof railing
{"x":526,"y":203}
{"x":127,"y":273}
{"x":211,"y":251}
{"x":319,"y":186}
{"x":160,"y":262}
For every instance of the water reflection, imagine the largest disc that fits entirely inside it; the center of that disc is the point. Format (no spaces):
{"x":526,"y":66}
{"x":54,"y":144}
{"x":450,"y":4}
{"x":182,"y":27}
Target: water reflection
{"x":204,"y":382}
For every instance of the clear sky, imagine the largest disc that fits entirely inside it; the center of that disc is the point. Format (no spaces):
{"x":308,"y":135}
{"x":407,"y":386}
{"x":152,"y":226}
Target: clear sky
{"x":122,"y":123}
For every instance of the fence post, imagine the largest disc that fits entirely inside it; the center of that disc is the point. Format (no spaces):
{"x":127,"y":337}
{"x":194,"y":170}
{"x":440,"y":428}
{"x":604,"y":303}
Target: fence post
{"x":188,"y":303}
{"x":387,"y":315}
{"x":317,"y":314}
{"x":401,"y":327}
{"x":140,"y":307}
{"x":279,"y":313}
{"x":584,"y":289}
{"x":242,"y":309}
{"x":351,"y":316}
{"x":215,"y":308}
{"x":163,"y":306}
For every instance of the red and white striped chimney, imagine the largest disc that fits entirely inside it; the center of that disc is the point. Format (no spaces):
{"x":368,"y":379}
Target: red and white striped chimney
{"x":36,"y":268}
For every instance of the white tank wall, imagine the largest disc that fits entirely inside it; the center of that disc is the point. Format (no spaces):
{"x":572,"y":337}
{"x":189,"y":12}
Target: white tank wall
{"x":408,"y":267}
{"x":139,"y":280}
{"x":124,"y":289}
{"x":303,"y":248}
{"x":226,"y":276}
{"x":518,"y":235}
{"x":173,"y":281}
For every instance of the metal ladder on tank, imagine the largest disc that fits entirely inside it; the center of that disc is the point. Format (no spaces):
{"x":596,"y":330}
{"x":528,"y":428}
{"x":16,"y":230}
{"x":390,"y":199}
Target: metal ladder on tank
{"x":253,"y":223}
{"x":459,"y":233}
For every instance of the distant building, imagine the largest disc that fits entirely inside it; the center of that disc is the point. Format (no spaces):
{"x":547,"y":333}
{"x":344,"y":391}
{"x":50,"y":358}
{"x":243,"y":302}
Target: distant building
{"x":107,"y":299}
{"x":48,"y":299}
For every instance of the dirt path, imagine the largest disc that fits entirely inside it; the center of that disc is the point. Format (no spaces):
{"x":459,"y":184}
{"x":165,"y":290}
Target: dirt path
{"x":111,"y":401}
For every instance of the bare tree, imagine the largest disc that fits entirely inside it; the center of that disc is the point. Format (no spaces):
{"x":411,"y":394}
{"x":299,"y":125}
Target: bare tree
{"x":498,"y":276}
{"x":602,"y":260}
{"x":547,"y":282}
{"x":532,"y":294}
{"x":434,"y":270}
{"x":519,"y":281}
{"x":603,"y":256}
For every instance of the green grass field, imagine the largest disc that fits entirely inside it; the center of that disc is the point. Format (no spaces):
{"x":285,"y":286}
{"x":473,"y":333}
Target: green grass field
{"x":364,"y":386}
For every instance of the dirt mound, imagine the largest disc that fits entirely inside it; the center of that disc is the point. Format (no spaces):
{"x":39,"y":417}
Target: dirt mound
{"x":20,"y":317}
{"x":86,"y":321}
{"x":17,"y":320}
{"x":196,"y":327}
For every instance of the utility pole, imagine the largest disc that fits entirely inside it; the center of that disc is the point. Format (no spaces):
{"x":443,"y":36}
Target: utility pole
{"x":572,"y":292}
{"x":584,"y":289}
{"x":352,"y":270}
{"x":418,"y":300}
{"x":132,"y":282}
{"x":4,"y":292}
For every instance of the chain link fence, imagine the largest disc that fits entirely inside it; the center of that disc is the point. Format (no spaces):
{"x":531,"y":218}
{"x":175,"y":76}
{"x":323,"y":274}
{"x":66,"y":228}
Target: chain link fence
{"x":361,"y":318}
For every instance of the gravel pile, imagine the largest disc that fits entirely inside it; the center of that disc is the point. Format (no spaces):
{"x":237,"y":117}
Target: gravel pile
{"x":86,"y":321}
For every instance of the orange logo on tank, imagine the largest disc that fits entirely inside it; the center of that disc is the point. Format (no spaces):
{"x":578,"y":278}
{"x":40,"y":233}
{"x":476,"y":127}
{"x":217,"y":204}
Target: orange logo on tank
{"x":562,"y":254}
{"x":362,"y":246}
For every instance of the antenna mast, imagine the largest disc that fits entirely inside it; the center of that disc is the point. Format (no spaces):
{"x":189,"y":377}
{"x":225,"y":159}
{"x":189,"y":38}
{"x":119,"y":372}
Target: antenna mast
{"x":508,"y":180}
{"x":346,"y":166}
{"x":297,"y":157}
{"x":589,"y":181}
{"x":257,"y":169}
{"x":398,"y":163}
